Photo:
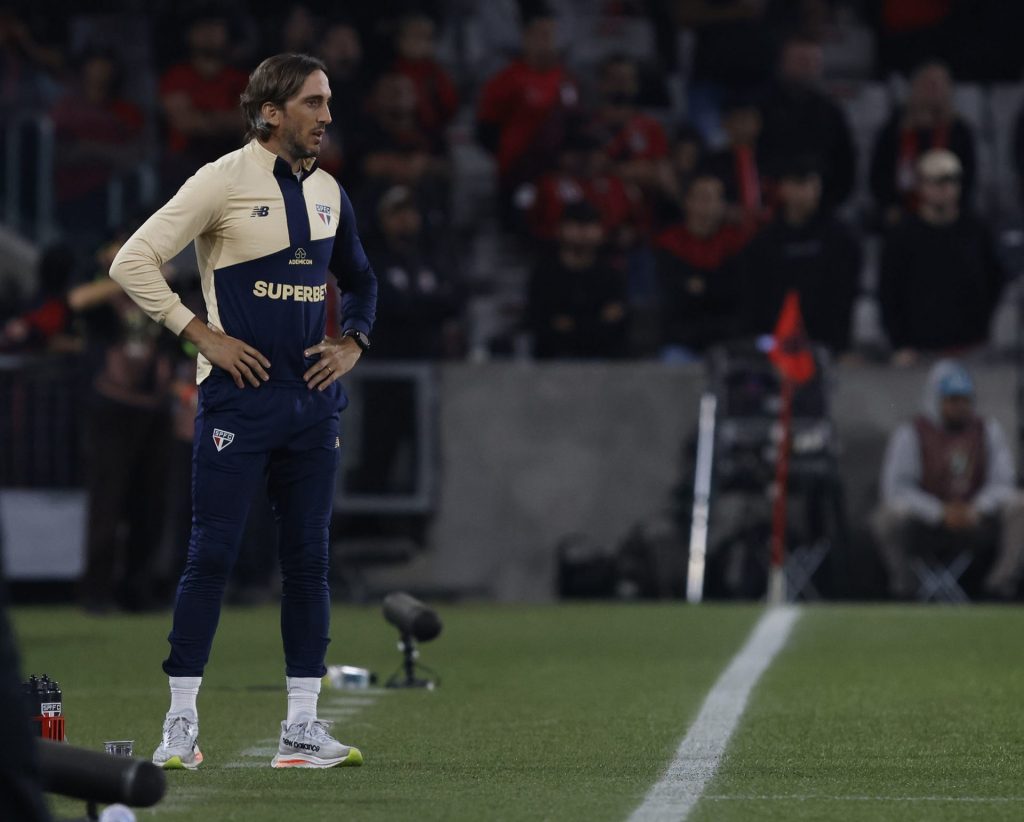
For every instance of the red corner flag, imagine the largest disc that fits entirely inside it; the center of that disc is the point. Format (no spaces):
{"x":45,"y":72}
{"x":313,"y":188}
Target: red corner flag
{"x":791,"y":355}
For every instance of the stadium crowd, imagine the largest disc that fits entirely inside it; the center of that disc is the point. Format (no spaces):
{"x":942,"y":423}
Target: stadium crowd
{"x":611,"y":179}
{"x":568,"y":179}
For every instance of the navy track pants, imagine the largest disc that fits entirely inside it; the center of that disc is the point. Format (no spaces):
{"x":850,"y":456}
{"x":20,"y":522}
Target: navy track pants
{"x":288,"y":437}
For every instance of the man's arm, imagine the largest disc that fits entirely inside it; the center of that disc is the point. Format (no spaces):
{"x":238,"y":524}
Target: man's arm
{"x":194,"y":210}
{"x":358,"y":285}
{"x":999,"y":479}
{"x":901,"y":478}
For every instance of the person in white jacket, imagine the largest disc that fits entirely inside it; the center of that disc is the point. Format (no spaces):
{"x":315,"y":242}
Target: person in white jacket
{"x":948,"y":485}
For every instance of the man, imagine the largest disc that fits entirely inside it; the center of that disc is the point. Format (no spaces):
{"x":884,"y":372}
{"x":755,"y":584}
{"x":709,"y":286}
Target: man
{"x":267,"y":223}
{"x":948,"y":485}
{"x":927,"y":120}
{"x":523,"y":109}
{"x":800,"y":119}
{"x":940,"y":275}
{"x":807,"y":250}
{"x":698,"y":272}
{"x":577,"y":299}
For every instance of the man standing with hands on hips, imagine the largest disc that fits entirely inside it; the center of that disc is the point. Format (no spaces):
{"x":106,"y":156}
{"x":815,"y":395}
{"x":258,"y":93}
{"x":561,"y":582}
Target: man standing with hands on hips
{"x":267,"y":225}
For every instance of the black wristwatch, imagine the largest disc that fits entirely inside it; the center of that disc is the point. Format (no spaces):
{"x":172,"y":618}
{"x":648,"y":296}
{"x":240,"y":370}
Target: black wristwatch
{"x":361,"y":339}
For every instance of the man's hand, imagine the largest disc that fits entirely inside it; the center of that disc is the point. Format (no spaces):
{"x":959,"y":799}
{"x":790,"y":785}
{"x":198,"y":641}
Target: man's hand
{"x":337,"y":358}
{"x":959,"y":515}
{"x":240,"y":360}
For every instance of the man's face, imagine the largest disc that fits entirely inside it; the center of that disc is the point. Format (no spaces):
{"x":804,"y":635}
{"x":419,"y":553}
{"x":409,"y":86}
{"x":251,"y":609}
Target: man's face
{"x":579,"y":243}
{"x":932,"y":88}
{"x":620,"y":84}
{"x":743,"y":125}
{"x":802,"y":63}
{"x":956,"y":411}
{"x":705,"y":201}
{"x":540,"y":42}
{"x":208,"y":38}
{"x":305,"y":116}
{"x":416,"y":39}
{"x":940,"y":194}
{"x":800,"y":196}
{"x":401,"y":225}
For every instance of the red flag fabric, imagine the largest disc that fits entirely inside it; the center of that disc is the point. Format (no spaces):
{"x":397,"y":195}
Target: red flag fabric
{"x":791,"y":355}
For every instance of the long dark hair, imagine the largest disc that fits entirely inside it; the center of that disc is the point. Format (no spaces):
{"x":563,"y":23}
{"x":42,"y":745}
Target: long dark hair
{"x":276,"y":80}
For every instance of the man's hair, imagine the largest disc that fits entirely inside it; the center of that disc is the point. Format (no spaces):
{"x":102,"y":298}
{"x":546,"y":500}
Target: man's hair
{"x":276,"y":80}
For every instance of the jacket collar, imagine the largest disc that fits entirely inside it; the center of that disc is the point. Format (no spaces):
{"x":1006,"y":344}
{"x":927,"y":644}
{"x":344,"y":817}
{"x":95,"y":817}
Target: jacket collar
{"x":272,"y":162}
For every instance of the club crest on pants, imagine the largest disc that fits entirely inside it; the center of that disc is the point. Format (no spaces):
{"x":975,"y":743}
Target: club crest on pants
{"x":222,"y":439}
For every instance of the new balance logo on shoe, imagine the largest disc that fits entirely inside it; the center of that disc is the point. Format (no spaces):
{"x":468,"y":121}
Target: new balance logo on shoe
{"x":302,"y":746}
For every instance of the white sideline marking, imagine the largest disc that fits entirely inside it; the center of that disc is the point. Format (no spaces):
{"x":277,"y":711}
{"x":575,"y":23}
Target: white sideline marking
{"x":811,"y":797}
{"x":699,"y":754}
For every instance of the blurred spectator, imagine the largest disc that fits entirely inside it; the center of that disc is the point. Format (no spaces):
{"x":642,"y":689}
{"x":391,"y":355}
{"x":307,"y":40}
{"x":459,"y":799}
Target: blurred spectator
{"x":847,"y":43}
{"x":420,"y":303}
{"x":732,"y":49}
{"x":738,"y":163}
{"x":299,"y":31}
{"x":948,"y":485}
{"x":129,"y":439}
{"x":699,"y":277}
{"x":199,"y":98}
{"x":801,"y":120}
{"x":584,"y":174}
{"x":927,"y":120}
{"x":635,"y":142}
{"x":341,"y":49}
{"x":436,"y":97}
{"x":687,"y":154}
{"x":391,"y":148}
{"x":809,"y":251}
{"x":523,"y":108}
{"x":577,"y":299}
{"x":940,"y":275}
{"x":48,"y":315}
{"x":99,"y":134}
{"x":32,"y":56}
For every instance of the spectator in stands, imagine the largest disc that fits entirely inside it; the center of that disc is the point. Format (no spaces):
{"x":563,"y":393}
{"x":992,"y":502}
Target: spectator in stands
{"x":437,"y":99}
{"x":99,"y":134}
{"x":699,"y":277}
{"x":32,"y":57}
{"x":577,"y":300}
{"x":129,"y":440}
{"x":687,"y":154}
{"x":927,"y":120}
{"x":948,"y":485}
{"x":807,"y":250}
{"x":584,"y":174}
{"x":738,"y":163}
{"x":801,"y":120}
{"x":940,"y":275}
{"x":420,"y":305}
{"x":48,"y":315}
{"x":635,"y":142}
{"x":733,"y":46}
{"x":521,"y":117}
{"x":341,"y":49}
{"x":391,"y":148}
{"x":199,"y":98}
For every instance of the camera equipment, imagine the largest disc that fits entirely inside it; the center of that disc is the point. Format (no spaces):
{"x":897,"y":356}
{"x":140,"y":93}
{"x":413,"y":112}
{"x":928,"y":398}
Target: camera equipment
{"x":414,"y":621}
{"x":97,"y":777}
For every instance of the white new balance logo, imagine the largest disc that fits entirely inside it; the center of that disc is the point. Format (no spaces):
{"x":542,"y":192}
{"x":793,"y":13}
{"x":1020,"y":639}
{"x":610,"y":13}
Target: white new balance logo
{"x":222,"y":439}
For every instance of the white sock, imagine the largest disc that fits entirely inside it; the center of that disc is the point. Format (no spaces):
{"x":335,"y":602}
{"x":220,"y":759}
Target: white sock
{"x":184,"y":690}
{"x":302,"y":695}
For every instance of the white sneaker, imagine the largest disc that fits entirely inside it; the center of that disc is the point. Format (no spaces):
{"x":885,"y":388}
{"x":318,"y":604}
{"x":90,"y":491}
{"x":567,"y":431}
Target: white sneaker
{"x":308,"y":745}
{"x":179,"y":748}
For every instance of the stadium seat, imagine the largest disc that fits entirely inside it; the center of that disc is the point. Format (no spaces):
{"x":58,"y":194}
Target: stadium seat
{"x":939,"y":581}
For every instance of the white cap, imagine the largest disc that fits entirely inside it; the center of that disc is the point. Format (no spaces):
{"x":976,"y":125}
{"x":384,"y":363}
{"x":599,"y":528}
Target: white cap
{"x":939,"y":162}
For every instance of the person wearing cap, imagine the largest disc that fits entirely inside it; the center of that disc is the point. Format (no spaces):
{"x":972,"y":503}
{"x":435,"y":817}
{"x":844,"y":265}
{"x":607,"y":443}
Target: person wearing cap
{"x":927,"y":120}
{"x":940,"y":276}
{"x":807,"y":250}
{"x":948,"y":485}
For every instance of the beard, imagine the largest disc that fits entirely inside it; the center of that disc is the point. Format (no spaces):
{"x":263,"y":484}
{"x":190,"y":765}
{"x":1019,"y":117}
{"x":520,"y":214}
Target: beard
{"x":294,"y":145}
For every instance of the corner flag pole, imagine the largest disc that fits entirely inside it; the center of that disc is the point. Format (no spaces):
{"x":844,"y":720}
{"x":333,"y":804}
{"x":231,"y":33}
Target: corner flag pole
{"x":777,"y":575}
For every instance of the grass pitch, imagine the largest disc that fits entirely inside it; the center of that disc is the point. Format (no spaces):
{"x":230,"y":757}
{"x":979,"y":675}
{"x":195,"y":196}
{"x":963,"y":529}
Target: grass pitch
{"x":572,"y":712}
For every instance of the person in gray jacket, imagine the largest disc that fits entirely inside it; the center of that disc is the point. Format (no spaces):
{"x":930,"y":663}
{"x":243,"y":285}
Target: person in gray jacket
{"x":948,"y":485}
